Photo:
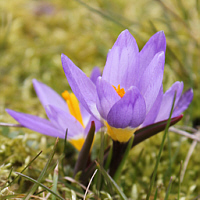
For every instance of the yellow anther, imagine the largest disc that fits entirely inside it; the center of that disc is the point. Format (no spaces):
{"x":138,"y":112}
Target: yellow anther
{"x":73,"y":106}
{"x":120,"y":91}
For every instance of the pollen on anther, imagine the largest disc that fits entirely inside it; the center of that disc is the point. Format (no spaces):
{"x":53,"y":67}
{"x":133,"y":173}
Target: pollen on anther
{"x":120,"y":91}
{"x":73,"y":106}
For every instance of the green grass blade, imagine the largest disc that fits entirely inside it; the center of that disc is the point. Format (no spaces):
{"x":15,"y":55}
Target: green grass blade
{"x":24,"y":168}
{"x":160,"y":151}
{"x":101,"y":159}
{"x":173,"y":159}
{"x":108,"y":160}
{"x":168,"y":189}
{"x":15,"y":196}
{"x":120,"y":167}
{"x":64,"y":150}
{"x":39,"y":184}
{"x":170,"y":155}
{"x":9,"y":175}
{"x":179,"y":180}
{"x":106,"y":16}
{"x":55,"y":182}
{"x":73,"y":185}
{"x":155,"y":195}
{"x":112,"y":182}
{"x":34,"y":187}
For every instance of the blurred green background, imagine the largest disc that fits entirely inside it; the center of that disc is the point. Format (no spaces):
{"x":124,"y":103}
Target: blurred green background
{"x":33,"y":34}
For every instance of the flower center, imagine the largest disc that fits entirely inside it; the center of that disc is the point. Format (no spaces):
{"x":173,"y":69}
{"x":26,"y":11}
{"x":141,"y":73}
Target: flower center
{"x":120,"y":134}
{"x":120,"y":91}
{"x":73,"y":106}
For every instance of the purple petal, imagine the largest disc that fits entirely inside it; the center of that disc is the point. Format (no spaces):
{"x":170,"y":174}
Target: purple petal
{"x":81,"y":85}
{"x":107,"y":97}
{"x":183,"y":103}
{"x":122,"y":63}
{"x":65,"y":121}
{"x":151,"y":80}
{"x":48,"y":96}
{"x":129,"y":111}
{"x":98,"y":125}
{"x":85,"y":114}
{"x":155,"y":44}
{"x":167,"y":101}
{"x":36,"y":124}
{"x":152,"y":114}
{"x":96,"y":72}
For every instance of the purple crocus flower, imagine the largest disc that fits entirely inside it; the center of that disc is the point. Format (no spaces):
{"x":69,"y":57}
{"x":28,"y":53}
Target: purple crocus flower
{"x":129,"y":95}
{"x":163,"y":104}
{"x":62,"y":114}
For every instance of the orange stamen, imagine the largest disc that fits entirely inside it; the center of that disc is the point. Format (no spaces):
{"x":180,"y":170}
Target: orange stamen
{"x":120,"y":91}
{"x":73,"y":106}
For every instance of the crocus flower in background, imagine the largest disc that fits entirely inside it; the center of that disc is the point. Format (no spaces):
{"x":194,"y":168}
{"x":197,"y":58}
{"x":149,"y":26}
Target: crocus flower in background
{"x":129,"y":95}
{"x":63,"y":114}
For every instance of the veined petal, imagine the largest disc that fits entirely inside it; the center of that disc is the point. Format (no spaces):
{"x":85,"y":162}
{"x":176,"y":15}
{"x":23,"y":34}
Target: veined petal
{"x":48,"y":96}
{"x":129,"y":111}
{"x":81,"y":85}
{"x":122,"y":63}
{"x":97,"y":123}
{"x":152,"y":114}
{"x":65,"y":121}
{"x":37,"y":124}
{"x":151,"y":80}
{"x":183,"y":103}
{"x":96,"y":72}
{"x":85,"y":115}
{"x":167,"y":101}
{"x":155,"y":44}
{"x":107,"y":97}
{"x":93,"y":77}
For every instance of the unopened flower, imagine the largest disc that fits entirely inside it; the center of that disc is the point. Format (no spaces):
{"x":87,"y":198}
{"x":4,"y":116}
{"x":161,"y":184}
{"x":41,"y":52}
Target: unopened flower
{"x":129,"y":95}
{"x":63,"y":114}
